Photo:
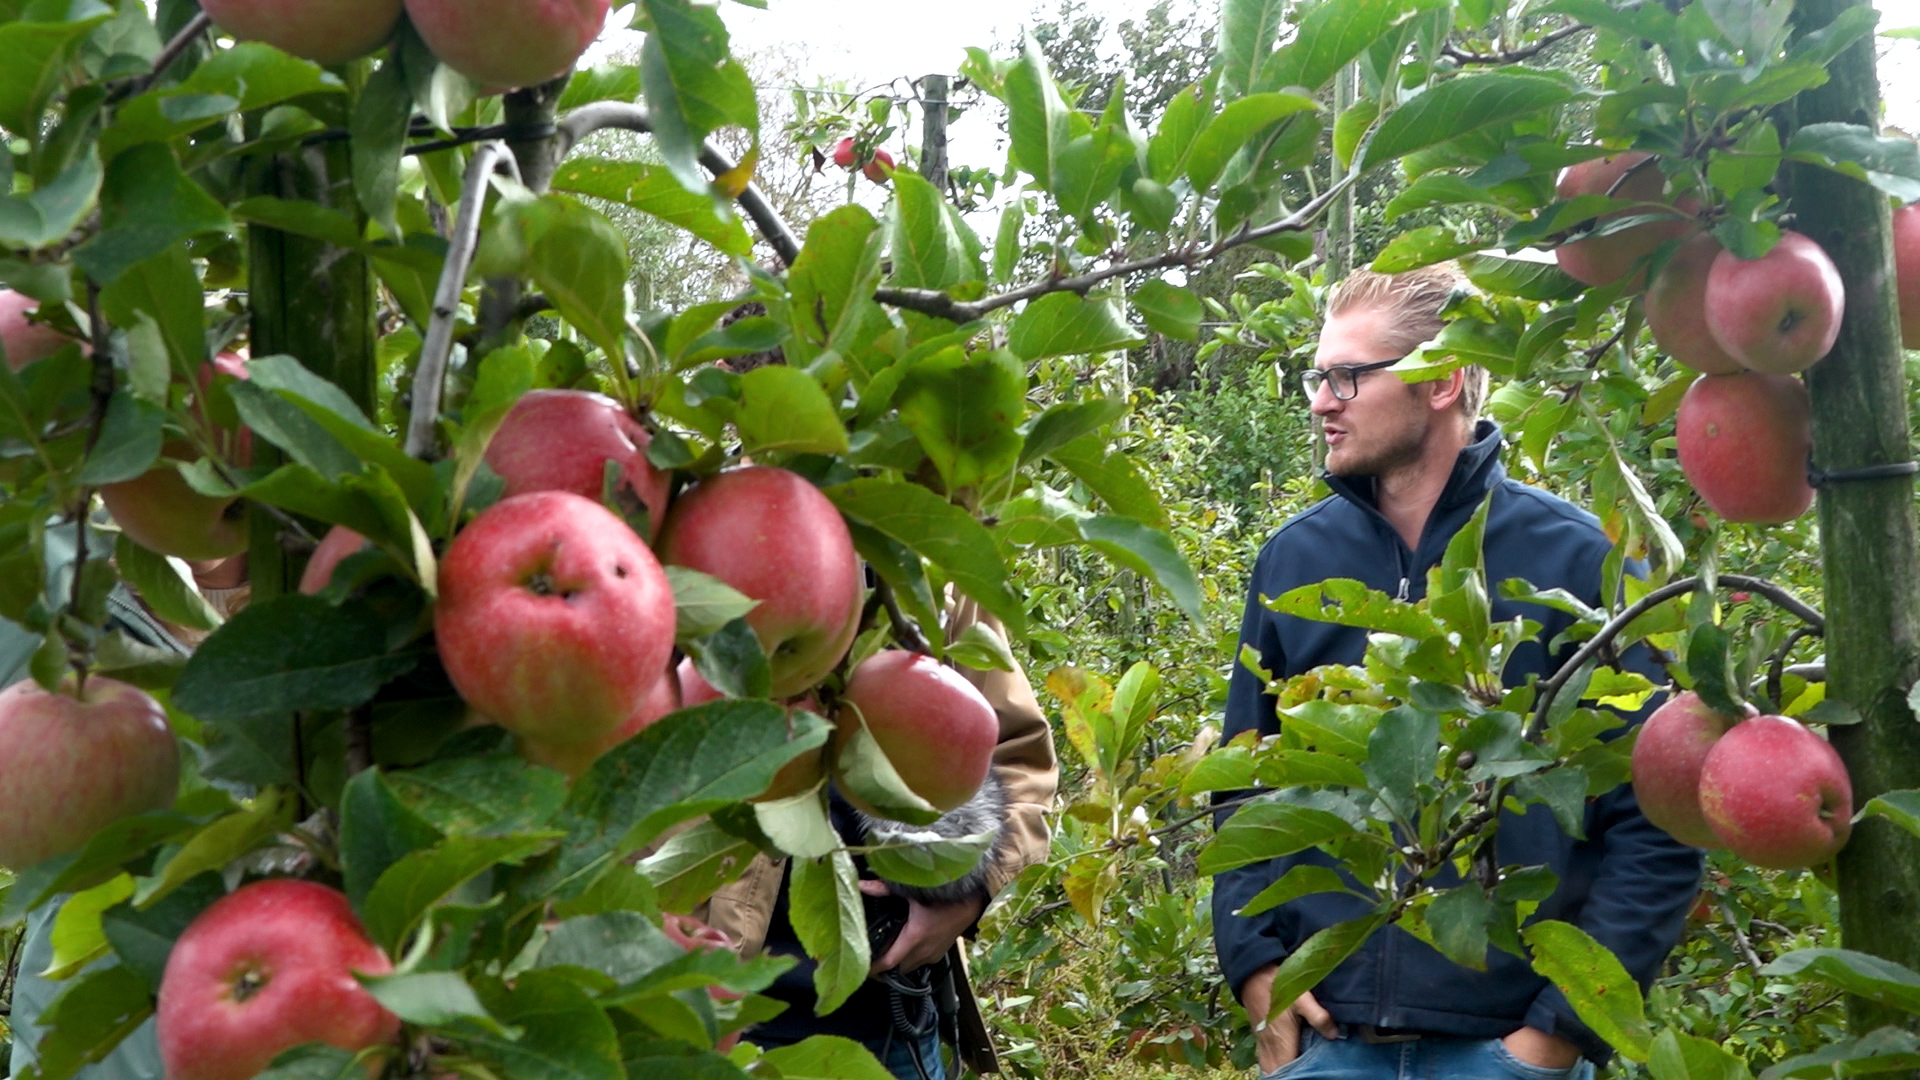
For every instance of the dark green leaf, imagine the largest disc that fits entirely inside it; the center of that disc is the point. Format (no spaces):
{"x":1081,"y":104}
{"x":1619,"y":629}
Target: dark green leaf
{"x":36,"y":55}
{"x":966,"y":409}
{"x":1461,"y":105}
{"x":379,"y":132}
{"x":1267,"y":830}
{"x":421,"y":879}
{"x":1235,"y":127}
{"x":830,"y":920}
{"x":1069,"y":420}
{"x":943,"y":533}
{"x":1890,"y":164}
{"x":1318,"y":955}
{"x":432,"y":998}
{"x":46,"y":215}
{"x":288,"y":654}
{"x":564,"y":1033}
{"x":695,"y":862}
{"x":703,"y":603}
{"x":147,"y":205}
{"x":1872,"y":977}
{"x":1302,"y":880}
{"x":376,"y":830}
{"x":89,"y":1018}
{"x":1458,"y":921}
{"x":490,"y":795}
{"x":694,"y":86}
{"x":143,"y":939}
{"x":784,"y":410}
{"x":1169,"y":309}
{"x":732,"y":661}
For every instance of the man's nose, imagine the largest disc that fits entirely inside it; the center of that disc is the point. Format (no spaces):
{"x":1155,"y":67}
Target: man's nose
{"x":1323,"y":402}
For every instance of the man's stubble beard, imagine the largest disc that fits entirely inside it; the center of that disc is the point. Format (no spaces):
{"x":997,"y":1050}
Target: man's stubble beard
{"x":1405,"y":447}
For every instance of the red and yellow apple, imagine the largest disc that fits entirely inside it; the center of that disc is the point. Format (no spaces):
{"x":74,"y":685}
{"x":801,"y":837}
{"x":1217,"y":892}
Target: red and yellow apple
{"x":1609,"y":257}
{"x":1743,"y":443}
{"x":561,"y":440}
{"x":936,"y":728}
{"x":574,"y":758}
{"x":333,"y":32}
{"x":771,"y":535}
{"x":263,"y":970}
{"x":508,"y":42}
{"x":553,"y":619}
{"x":1779,"y":313}
{"x":1676,"y":305}
{"x":1776,"y":794}
{"x":72,"y":764}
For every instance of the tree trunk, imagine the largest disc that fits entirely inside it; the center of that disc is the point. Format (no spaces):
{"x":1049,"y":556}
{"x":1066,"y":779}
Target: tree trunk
{"x":933,"y":131}
{"x":536,"y":151}
{"x":1868,"y":549}
{"x":312,"y":301}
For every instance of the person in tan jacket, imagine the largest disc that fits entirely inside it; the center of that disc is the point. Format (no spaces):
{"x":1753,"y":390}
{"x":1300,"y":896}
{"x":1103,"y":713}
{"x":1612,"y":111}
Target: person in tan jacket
{"x":893,"y":1012}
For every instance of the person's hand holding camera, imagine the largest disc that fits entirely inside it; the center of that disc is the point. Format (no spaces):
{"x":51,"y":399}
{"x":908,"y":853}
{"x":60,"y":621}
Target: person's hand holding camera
{"x":930,"y":931}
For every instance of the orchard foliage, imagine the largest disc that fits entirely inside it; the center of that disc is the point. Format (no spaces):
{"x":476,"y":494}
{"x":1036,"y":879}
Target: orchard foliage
{"x":166,"y":185}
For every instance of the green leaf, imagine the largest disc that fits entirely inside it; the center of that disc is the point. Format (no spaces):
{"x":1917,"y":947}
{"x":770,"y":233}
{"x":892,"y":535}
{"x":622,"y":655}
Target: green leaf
{"x":1064,"y":324}
{"x":694,"y":85}
{"x":689,"y":763}
{"x":215,"y":847}
{"x":946,"y":535}
{"x":432,"y":998}
{"x":1601,"y":992}
{"x":965,"y":409}
{"x":489,"y":795}
{"x":90,"y":1016}
{"x":1458,"y":921}
{"x":1302,"y":880}
{"x":105,"y":851}
{"x":1150,"y":552}
{"x":377,"y":830}
{"x":833,"y":280}
{"x":1169,"y":309}
{"x":1890,"y":164}
{"x":36,"y":55}
{"x":1900,"y":807}
{"x":1332,"y":35}
{"x":926,"y":240}
{"x":1037,"y":115}
{"x":1067,"y":421}
{"x":826,"y":1057}
{"x":1679,"y":1056}
{"x":1710,"y":666}
{"x":830,"y":921}
{"x":1755,"y":27}
{"x":379,"y":133}
{"x":732,"y":661}
{"x":653,"y":190}
{"x":47,"y":214}
{"x":1523,"y":278}
{"x":421,"y":879}
{"x":1883,"y":1050}
{"x":247,"y":76}
{"x":784,"y":410}
{"x":143,"y":939}
{"x":1260,"y":831}
{"x":147,"y":205}
{"x":1235,"y":127}
{"x":1317,"y":956}
{"x":1872,"y":977}
{"x":129,"y":441}
{"x":1248,"y":29}
{"x":982,"y":648}
{"x":862,"y":768}
{"x":703,"y":603}
{"x":927,"y":860}
{"x":77,"y":937}
{"x":1460,"y":105}
{"x":564,"y":1033}
{"x":289,"y":654}
{"x":167,"y":289}
{"x":579,"y":259}
{"x":694,"y":863}
{"x":1350,"y":603}
{"x":1423,"y":246}
{"x":1114,"y":477}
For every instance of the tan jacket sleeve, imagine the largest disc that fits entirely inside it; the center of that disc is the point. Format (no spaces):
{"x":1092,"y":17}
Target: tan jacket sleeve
{"x":1024,"y":761}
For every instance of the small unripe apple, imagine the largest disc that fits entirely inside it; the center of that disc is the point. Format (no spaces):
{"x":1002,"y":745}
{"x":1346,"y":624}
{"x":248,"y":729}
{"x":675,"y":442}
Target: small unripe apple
{"x":508,"y":42}
{"x":936,"y":728}
{"x":1779,"y":313}
{"x":1776,"y":794}
{"x":773,"y":536}
{"x":1676,"y":308}
{"x":1743,"y":445}
{"x":1906,"y":265}
{"x":561,"y":440}
{"x":73,"y":765}
{"x":553,"y":619}
{"x":1667,"y":756}
{"x":329,"y":32}
{"x":26,"y":342}
{"x":1608,"y":258}
{"x":263,"y":970}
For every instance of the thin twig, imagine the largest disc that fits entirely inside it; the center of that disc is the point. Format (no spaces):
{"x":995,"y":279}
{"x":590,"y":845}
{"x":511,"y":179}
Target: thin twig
{"x":602,"y":115}
{"x":1740,"y":937}
{"x":1777,"y":667}
{"x":430,"y":375}
{"x":904,"y":629}
{"x":1514,"y":56}
{"x":172,"y":51}
{"x":1647,"y":603}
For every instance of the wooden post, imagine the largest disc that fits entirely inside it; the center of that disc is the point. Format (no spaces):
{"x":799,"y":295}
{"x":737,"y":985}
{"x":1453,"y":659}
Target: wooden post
{"x":1867,"y":531}
{"x":536,"y":151}
{"x":933,"y":130}
{"x":1340,"y":214}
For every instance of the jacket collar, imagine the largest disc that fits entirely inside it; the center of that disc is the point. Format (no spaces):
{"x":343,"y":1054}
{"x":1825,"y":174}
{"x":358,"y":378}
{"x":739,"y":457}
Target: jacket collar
{"x":1475,"y":472}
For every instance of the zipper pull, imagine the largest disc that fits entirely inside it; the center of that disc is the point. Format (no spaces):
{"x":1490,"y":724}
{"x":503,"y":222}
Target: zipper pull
{"x":1406,"y":585}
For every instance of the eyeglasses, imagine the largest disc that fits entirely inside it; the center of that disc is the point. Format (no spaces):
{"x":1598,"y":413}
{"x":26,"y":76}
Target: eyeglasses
{"x":1344,"y":379}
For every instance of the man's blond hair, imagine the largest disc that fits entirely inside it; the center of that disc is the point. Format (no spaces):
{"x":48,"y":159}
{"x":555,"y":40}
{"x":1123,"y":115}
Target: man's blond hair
{"x":1414,"y":301}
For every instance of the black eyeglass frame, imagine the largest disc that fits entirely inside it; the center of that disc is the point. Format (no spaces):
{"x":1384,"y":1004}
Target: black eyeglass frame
{"x":1311,"y":378}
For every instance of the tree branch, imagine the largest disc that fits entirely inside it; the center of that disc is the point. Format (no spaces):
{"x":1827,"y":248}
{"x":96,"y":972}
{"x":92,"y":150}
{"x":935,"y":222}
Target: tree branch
{"x":1514,"y":56}
{"x":910,"y":635}
{"x":430,"y":376}
{"x":172,"y":51}
{"x":602,"y":115}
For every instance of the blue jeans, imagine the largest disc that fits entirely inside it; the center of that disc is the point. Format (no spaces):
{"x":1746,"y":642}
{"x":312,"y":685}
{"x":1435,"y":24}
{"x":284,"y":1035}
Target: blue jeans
{"x":1431,"y":1057}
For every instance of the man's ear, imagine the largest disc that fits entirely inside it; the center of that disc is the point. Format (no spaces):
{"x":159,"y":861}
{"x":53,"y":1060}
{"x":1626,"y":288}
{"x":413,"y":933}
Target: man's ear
{"x":1446,"y":392}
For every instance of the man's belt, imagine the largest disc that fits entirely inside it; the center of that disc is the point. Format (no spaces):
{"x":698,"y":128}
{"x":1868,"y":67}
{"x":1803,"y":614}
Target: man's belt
{"x":1374,"y":1036}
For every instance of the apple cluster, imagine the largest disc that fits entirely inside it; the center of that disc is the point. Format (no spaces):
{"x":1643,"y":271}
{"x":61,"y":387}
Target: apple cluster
{"x":1764,"y":787}
{"x":498,"y":44}
{"x":1747,"y":325}
{"x":876,"y":166}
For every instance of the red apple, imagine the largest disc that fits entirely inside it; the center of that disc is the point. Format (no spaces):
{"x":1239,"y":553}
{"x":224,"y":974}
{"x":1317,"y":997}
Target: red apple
{"x":553,"y":619}
{"x":160,"y":512}
{"x":772,"y":535}
{"x":1607,"y":258}
{"x":1779,"y":313}
{"x":1776,"y":794}
{"x":508,"y":42}
{"x":72,"y":765}
{"x":339,"y":543}
{"x":263,"y":970}
{"x":1676,"y":306}
{"x":1743,"y":442}
{"x":936,"y":728}
{"x":879,"y":168}
{"x":843,"y":153}
{"x":690,"y":933}
{"x":801,"y":774}
{"x":574,"y":758}
{"x":1906,"y":265}
{"x":26,"y":342}
{"x":333,"y":32}
{"x":561,"y":440}
{"x":1667,"y":756}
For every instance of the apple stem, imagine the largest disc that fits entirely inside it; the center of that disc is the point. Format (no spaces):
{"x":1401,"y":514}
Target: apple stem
{"x":904,"y":629}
